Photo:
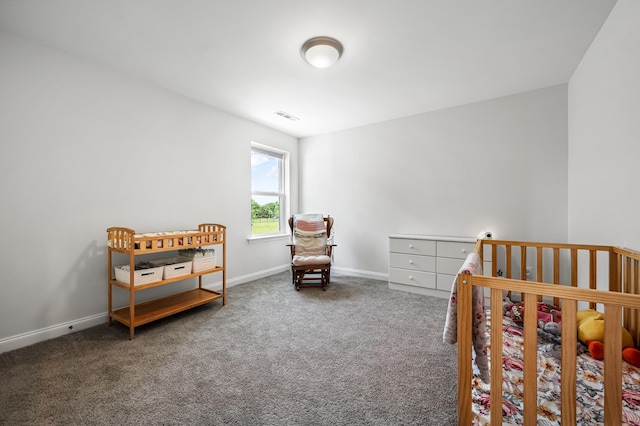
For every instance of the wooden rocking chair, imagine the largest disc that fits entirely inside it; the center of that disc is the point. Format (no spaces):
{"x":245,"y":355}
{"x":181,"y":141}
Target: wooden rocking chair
{"x":311,"y":250}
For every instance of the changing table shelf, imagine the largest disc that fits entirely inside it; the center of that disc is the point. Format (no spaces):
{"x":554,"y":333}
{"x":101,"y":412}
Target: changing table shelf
{"x":159,"y":308}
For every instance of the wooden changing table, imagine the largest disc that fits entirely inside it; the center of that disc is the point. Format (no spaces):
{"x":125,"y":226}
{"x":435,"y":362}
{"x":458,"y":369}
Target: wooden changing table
{"x":126,"y":241}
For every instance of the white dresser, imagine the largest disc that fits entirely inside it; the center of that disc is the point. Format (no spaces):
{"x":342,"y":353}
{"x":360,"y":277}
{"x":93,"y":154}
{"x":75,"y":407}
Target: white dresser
{"x":427,"y":264}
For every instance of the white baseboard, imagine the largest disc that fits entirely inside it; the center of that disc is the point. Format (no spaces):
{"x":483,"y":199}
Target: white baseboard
{"x":31,"y":337}
{"x":360,"y":273}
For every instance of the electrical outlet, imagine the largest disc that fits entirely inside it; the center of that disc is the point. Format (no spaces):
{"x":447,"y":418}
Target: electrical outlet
{"x":529,"y":271}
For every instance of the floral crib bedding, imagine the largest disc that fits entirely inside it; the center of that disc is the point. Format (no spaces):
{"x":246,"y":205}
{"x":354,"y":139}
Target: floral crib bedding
{"x":589,"y":386}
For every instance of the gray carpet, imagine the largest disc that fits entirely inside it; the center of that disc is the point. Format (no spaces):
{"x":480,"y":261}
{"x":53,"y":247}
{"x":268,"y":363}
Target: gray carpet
{"x":357,"y":353}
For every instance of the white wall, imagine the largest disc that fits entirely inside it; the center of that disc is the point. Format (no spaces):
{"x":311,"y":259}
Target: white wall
{"x":604,"y":134}
{"x":499,"y":165}
{"x":84,"y":148}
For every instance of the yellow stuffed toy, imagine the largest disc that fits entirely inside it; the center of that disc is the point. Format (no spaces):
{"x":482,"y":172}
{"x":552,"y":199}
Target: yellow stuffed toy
{"x":591,"y":333}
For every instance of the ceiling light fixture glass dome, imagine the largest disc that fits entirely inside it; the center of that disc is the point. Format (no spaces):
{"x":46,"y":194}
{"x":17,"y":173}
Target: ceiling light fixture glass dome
{"x":321,"y":52}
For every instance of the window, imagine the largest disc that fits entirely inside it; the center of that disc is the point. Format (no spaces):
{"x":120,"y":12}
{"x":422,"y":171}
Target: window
{"x":269,"y":190}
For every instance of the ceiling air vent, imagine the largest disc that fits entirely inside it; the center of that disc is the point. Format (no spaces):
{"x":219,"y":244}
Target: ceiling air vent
{"x":287,"y":116}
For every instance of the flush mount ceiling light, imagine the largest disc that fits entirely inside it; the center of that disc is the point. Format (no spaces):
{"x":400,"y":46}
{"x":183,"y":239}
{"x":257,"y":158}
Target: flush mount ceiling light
{"x":321,"y":52}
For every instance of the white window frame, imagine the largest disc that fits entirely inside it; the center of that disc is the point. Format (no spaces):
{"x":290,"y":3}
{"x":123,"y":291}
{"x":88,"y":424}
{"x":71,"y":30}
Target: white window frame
{"x":283,"y":195}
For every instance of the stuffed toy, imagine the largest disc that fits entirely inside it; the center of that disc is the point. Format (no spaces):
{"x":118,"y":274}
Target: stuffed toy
{"x":591,"y":333}
{"x":506,"y":304}
{"x":549,"y":317}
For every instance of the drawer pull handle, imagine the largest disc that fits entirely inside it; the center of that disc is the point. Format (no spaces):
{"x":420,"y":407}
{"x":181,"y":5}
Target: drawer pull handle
{"x":411,"y":262}
{"x":411,"y":277}
{"x":464,"y":251}
{"x":410,"y":245}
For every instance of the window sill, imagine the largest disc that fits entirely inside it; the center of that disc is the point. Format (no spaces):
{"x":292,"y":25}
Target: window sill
{"x":266,"y":238}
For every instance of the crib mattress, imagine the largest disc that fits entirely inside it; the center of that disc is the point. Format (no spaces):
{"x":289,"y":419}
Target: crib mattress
{"x":589,"y":386}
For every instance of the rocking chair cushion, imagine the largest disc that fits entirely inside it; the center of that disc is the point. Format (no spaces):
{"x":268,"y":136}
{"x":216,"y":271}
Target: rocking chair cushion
{"x":310,"y":237}
{"x":311,"y":260}
{"x":310,"y":226}
{"x":311,"y":246}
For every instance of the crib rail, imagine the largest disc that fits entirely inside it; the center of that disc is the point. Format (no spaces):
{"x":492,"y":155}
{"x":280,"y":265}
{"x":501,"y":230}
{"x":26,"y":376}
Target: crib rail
{"x":576,"y":265}
{"x":621,"y":304}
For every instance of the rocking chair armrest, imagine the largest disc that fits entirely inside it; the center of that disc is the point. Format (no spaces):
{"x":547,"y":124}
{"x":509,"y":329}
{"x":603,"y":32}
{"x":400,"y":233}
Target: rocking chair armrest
{"x":330,"y":249}
{"x":292,"y":249}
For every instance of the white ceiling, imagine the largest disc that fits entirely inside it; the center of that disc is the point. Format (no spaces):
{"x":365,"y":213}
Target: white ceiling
{"x":401,"y":57}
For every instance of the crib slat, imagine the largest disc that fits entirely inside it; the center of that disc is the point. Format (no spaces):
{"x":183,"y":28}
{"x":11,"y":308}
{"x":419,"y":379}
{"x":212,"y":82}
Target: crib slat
{"x":615,"y":271}
{"x":568,"y":366}
{"x":507,"y":263}
{"x":556,"y":272}
{"x":593,"y":274}
{"x":523,"y":263}
{"x":539,"y":269}
{"x":530,"y":359}
{"x":625,"y":284}
{"x":494,"y":263}
{"x":496,"y":357}
{"x":612,"y":365}
{"x":574,"y":267}
{"x":632,"y":316}
{"x":556,"y":265}
{"x":464,"y":350}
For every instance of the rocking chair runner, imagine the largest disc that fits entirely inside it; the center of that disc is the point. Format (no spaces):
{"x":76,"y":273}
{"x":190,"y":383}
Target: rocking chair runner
{"x":310,"y":250}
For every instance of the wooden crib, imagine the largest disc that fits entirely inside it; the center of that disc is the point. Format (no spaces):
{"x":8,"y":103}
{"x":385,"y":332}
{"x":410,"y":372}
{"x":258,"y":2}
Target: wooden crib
{"x":572,"y":277}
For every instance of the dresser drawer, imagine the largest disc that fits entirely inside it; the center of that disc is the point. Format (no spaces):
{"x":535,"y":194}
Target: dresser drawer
{"x":415,"y":278}
{"x":409,"y":246}
{"x":408,"y":261}
{"x":445,"y":282}
{"x":446,"y":265}
{"x":454,"y":249}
